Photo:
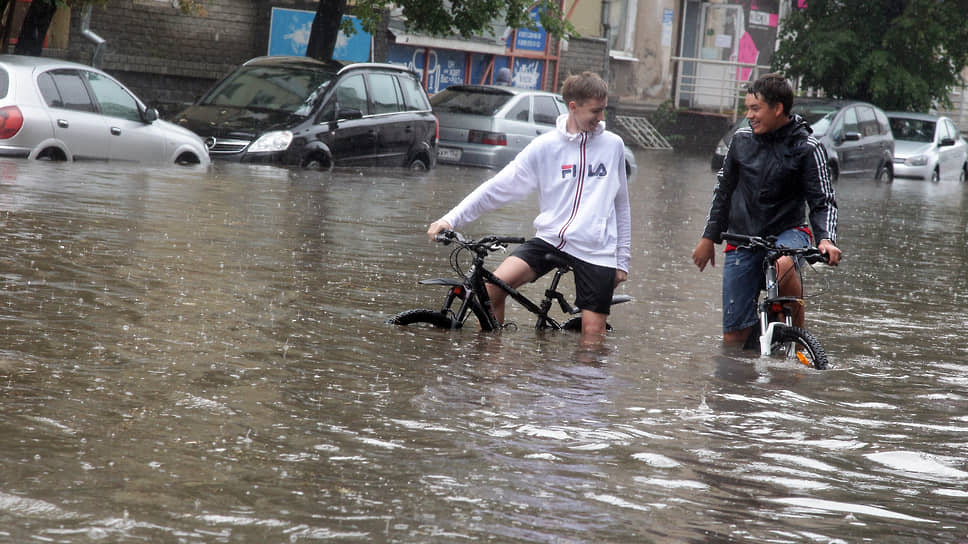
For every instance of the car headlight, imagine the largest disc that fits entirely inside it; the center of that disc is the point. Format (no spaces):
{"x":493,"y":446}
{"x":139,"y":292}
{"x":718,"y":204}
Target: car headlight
{"x":271,"y":141}
{"x":917,"y":160}
{"x":721,"y":148}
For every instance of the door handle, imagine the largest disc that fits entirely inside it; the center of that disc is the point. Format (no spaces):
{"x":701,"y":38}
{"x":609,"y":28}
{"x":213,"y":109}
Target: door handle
{"x":62,"y":123}
{"x":115,"y":131}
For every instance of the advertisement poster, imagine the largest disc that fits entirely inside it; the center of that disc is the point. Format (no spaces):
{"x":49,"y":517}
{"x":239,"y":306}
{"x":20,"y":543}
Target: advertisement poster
{"x":289,"y":35}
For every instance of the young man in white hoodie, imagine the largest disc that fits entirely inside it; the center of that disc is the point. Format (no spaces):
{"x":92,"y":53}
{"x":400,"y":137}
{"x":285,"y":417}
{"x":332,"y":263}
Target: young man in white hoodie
{"x":579,"y":173}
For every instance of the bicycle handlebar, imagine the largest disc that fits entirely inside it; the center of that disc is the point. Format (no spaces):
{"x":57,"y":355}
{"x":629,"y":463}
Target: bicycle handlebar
{"x":810,"y":254}
{"x":448,"y":236}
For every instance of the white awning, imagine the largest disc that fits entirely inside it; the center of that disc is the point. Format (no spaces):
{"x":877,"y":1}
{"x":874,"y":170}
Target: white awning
{"x":444,"y":43}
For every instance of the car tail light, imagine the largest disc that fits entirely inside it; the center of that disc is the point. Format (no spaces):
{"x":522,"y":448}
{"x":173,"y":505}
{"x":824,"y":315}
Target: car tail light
{"x":11,"y":121}
{"x":436,"y":129}
{"x":485,"y":137}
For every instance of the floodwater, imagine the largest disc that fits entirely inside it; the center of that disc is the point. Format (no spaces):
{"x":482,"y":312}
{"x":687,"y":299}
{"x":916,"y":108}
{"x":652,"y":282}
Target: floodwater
{"x":196,"y":356}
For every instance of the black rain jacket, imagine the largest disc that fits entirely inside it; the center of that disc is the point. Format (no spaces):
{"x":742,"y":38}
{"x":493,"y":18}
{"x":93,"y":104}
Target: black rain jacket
{"x":765,"y":182}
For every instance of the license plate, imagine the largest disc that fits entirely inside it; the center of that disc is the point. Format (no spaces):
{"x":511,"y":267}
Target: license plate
{"x":448,"y":154}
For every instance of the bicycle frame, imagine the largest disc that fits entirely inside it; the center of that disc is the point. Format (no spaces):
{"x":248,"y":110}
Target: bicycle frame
{"x":472,"y":292}
{"x":773,"y":304}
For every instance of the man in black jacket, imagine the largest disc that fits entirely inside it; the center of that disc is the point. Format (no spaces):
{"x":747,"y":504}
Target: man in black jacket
{"x":773,"y":169}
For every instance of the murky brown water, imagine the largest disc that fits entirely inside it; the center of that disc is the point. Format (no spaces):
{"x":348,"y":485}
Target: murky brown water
{"x":201,"y":356}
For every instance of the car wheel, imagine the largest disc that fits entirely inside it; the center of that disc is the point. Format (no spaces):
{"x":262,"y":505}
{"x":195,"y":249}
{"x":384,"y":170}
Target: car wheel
{"x":52,"y":154}
{"x":418,"y":165}
{"x":884,"y":174}
{"x":186,"y":159}
{"x":317,"y":163}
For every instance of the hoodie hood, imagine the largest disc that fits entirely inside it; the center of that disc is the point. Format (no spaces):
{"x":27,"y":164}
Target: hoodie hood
{"x":562,"y":126}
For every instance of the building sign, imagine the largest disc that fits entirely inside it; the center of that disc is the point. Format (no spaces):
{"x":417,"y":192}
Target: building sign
{"x":289,"y":35}
{"x":531,"y":40}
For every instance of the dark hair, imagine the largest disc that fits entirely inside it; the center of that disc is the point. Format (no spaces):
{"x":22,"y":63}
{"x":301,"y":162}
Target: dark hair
{"x":584,"y":86}
{"x":773,"y":89}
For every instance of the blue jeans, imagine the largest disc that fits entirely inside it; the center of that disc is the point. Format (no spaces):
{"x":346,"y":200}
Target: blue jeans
{"x":743,"y":280}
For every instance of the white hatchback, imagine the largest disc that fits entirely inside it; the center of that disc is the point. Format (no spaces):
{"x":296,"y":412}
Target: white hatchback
{"x":58,"y":110}
{"x":927,"y":147}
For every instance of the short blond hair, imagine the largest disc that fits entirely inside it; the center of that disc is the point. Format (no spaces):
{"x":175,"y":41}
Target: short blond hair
{"x":584,"y":86}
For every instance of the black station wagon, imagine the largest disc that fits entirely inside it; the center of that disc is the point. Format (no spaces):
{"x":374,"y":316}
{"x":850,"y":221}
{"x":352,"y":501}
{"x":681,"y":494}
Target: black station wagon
{"x":303,"y":112}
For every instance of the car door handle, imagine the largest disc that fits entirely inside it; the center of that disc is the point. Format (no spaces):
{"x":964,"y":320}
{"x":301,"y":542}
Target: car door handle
{"x":62,"y":123}
{"x":115,"y":131}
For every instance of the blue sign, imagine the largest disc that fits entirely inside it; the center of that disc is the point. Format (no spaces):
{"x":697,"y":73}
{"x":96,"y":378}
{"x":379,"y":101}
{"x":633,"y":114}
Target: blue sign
{"x":531,"y":40}
{"x":289,"y":35}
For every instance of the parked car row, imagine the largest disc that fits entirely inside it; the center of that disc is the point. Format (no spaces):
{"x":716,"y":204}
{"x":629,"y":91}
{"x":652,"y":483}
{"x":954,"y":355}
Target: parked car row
{"x":862,"y":140}
{"x":293,"y":111}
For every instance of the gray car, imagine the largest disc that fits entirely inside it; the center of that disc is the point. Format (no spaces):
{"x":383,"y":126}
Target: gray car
{"x":927,"y":147}
{"x":488,"y":125}
{"x":57,"y":110}
{"x":856,"y":136}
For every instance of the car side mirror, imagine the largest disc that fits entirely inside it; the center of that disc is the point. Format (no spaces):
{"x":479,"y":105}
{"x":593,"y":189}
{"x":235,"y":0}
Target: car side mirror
{"x":150,"y":115}
{"x":946,"y":142}
{"x":852,"y":136}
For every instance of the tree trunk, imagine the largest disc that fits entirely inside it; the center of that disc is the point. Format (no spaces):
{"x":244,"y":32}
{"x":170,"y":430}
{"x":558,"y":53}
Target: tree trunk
{"x":325,"y":29}
{"x":34,"y":28}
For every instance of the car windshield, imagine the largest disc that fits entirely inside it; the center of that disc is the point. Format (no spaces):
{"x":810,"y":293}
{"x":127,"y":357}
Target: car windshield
{"x":822,"y":125}
{"x":477,"y":102}
{"x":275,"y":88}
{"x":912,"y":130}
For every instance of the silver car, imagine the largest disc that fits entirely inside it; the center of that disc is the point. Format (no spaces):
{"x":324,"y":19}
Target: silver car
{"x":57,"y":110}
{"x":927,"y":147}
{"x":488,"y":125}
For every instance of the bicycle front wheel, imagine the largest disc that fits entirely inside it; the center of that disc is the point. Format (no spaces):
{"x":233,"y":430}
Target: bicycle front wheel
{"x":424,"y":318}
{"x":806,"y":347}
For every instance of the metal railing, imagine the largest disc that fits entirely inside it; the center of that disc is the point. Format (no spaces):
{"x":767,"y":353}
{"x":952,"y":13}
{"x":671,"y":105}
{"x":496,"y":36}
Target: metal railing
{"x":713,"y":85}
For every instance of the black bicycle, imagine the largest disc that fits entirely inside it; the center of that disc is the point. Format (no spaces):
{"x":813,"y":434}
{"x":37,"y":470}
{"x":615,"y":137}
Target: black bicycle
{"x":778,"y":336}
{"x":468,"y":296}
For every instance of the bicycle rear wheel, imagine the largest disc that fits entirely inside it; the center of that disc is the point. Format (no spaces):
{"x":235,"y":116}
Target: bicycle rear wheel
{"x":807,"y":349}
{"x":424,"y":318}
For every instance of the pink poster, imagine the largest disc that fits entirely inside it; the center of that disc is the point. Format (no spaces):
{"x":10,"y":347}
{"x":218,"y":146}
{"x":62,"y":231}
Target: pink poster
{"x":748,"y":53}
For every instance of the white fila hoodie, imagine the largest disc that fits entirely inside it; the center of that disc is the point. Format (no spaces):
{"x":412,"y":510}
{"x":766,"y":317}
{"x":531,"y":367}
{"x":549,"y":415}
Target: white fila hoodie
{"x":582,"y":193}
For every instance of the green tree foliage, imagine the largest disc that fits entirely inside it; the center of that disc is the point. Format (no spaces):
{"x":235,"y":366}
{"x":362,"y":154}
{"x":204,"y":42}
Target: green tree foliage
{"x":466,"y":17}
{"x":897,"y":54}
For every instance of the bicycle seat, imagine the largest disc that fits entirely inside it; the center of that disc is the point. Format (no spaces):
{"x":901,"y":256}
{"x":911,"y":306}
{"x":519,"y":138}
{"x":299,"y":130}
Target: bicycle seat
{"x":557,"y":260}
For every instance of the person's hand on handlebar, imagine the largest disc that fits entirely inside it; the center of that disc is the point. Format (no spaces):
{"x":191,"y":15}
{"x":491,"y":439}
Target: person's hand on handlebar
{"x":436,"y":228}
{"x":831,"y":251}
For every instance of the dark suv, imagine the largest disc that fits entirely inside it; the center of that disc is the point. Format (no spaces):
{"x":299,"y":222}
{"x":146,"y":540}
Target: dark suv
{"x":304,"y":112}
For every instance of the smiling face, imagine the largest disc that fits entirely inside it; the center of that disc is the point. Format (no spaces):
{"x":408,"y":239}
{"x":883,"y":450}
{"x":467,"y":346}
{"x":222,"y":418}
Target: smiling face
{"x":584,"y":116}
{"x":762,"y":116}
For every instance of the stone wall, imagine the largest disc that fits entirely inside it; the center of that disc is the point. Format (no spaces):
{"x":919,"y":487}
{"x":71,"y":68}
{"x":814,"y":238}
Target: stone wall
{"x":583,"y":54}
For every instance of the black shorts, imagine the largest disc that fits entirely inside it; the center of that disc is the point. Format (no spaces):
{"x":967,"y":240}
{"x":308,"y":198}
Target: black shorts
{"x":594,"y":285}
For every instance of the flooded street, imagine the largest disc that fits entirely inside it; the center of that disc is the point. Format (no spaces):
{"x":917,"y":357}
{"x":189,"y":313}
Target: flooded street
{"x":195,"y":356}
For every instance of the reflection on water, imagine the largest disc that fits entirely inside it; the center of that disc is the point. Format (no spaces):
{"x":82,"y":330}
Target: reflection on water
{"x":201,"y":356}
